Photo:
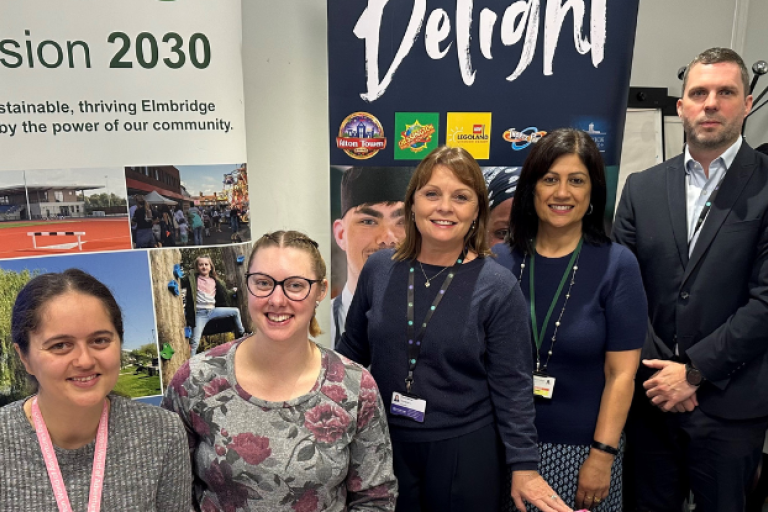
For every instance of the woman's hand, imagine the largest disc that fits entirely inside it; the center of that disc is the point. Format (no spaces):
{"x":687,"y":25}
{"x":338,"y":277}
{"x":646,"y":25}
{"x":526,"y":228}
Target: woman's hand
{"x":594,"y":479}
{"x":530,"y":486}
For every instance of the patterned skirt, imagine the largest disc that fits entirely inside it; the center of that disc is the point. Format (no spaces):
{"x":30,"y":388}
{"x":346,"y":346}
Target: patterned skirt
{"x":559,"y":466}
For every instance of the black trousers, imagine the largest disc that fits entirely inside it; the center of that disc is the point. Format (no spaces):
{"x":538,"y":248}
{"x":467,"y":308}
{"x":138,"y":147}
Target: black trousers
{"x":461,"y":474}
{"x":670,"y":454}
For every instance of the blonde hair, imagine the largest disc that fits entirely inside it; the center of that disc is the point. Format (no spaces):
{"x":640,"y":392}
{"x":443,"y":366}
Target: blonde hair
{"x":300,"y":241}
{"x":466,"y":170}
{"x":213,"y":273}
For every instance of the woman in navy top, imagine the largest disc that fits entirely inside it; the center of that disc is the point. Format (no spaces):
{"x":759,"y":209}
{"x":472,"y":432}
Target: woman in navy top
{"x":588,"y":311}
{"x":445,"y":332}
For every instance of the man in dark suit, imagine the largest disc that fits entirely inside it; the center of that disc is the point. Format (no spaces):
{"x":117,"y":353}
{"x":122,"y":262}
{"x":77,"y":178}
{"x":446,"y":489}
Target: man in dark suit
{"x":698,"y":225}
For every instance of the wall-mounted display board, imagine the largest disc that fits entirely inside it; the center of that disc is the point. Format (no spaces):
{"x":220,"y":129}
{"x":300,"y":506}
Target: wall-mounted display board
{"x":122,"y":137}
{"x":490,"y":76}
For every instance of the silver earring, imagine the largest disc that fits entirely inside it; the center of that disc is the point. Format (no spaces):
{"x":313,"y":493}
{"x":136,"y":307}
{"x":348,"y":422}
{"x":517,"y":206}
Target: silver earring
{"x":317,"y":304}
{"x":591,"y":208}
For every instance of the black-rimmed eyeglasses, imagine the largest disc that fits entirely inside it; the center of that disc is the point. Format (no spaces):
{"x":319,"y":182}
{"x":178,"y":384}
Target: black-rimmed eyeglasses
{"x":294,"y":288}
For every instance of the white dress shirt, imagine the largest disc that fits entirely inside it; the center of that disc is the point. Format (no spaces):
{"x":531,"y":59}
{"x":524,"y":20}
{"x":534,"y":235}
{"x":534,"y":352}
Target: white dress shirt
{"x":699,"y":187}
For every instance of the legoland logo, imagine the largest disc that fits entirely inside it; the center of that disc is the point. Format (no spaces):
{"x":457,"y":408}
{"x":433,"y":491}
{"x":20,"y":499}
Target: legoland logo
{"x":361,"y":136}
{"x":418,"y":134}
{"x":471,"y":131}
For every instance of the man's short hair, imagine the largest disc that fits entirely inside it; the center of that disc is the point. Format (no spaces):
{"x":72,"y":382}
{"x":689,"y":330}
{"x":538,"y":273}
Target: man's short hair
{"x":371,"y":185}
{"x":715,"y":56}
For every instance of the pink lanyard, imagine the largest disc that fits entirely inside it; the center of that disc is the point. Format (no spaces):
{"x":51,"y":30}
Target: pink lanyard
{"x":54,"y":473}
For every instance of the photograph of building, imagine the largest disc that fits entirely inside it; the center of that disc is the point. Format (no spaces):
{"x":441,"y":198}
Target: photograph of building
{"x":57,"y":211}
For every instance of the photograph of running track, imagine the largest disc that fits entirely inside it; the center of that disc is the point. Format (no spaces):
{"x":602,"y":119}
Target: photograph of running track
{"x":63,"y":211}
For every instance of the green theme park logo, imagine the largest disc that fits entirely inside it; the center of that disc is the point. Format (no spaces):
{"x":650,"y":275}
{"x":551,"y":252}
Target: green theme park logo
{"x":418,"y":133}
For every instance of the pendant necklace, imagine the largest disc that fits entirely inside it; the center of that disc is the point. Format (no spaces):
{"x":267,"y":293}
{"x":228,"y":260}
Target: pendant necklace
{"x":428,"y":279}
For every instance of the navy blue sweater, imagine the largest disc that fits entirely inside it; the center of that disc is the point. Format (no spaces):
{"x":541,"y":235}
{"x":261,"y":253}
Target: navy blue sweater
{"x":475,"y":363}
{"x":607,"y":311}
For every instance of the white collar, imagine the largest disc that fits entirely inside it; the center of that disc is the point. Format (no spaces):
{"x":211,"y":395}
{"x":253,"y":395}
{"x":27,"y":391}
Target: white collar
{"x":728,"y":156}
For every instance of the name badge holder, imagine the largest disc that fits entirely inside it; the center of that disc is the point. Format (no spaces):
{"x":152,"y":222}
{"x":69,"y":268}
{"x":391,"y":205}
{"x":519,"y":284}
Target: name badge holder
{"x":407,"y":404}
{"x":543,"y":383}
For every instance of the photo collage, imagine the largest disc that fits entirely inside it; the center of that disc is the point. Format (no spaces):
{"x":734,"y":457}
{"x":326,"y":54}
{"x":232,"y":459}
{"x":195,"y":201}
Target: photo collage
{"x":145,"y":232}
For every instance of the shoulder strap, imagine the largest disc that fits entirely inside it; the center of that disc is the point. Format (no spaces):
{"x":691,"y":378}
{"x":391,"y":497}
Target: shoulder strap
{"x":336,"y":312}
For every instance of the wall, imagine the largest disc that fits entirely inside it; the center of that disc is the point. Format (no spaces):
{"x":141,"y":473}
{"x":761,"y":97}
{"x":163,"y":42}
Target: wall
{"x":671,"y":33}
{"x":756,"y":48}
{"x":286,"y":111}
{"x":286,"y":95}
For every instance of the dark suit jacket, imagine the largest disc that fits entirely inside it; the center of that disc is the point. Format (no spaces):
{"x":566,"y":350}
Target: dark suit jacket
{"x":715,"y":303}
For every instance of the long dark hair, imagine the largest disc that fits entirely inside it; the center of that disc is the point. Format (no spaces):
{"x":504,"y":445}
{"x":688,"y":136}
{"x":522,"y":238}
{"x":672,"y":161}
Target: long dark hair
{"x":32,"y":299}
{"x":563,"y":141}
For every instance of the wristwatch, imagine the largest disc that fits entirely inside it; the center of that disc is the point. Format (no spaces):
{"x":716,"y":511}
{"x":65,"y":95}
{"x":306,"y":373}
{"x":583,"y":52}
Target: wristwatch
{"x":692,"y":375}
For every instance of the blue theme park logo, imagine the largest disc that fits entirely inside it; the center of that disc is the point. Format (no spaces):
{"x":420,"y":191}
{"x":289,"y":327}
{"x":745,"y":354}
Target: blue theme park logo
{"x":523,"y":138}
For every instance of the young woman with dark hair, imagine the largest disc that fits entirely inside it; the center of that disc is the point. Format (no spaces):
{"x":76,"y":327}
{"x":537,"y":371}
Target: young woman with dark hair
{"x":73,"y":445}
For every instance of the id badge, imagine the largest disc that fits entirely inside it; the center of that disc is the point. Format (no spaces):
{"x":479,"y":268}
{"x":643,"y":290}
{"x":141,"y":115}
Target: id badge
{"x":408,"y":406}
{"x":543,"y":385}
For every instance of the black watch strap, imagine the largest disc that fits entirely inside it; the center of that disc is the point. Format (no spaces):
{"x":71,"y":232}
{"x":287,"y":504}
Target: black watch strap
{"x":605,"y":448}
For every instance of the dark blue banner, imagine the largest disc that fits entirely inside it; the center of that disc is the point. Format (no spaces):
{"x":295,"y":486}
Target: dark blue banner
{"x":491,"y":76}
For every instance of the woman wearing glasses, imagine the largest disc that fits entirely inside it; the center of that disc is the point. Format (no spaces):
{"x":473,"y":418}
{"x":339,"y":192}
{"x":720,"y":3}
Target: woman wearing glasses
{"x":275,"y":421}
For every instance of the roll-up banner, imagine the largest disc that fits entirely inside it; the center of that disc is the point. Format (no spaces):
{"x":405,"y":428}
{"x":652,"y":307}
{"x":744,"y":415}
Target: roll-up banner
{"x":122,"y":138}
{"x":490,"y":76}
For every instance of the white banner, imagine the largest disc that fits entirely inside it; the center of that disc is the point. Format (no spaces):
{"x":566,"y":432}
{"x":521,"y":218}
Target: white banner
{"x":122,"y":136}
{"x":120,"y":83}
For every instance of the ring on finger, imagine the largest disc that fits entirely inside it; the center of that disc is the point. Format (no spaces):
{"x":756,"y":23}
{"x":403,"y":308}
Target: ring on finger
{"x":553,"y":497}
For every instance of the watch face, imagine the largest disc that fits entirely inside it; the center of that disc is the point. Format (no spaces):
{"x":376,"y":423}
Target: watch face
{"x":693,"y":376}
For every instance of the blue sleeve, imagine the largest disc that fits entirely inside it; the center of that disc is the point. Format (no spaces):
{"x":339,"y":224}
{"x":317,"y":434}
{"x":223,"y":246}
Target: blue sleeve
{"x":626,"y":307}
{"x":510,"y":377}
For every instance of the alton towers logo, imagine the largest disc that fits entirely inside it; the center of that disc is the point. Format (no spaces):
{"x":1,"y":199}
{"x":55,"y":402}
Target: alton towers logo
{"x":361,"y":136}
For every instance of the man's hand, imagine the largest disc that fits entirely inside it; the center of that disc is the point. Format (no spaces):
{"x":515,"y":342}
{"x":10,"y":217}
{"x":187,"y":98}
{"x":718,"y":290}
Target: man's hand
{"x":530,"y":486}
{"x":594,"y":479}
{"x":668,"y":387}
{"x":687,"y":405}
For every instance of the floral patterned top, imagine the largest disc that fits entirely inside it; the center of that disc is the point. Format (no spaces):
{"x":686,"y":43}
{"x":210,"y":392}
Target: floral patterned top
{"x":327,"y":450}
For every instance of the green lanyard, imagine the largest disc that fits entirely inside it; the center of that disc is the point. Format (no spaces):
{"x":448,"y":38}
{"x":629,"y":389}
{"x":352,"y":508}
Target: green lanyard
{"x":538,"y":336}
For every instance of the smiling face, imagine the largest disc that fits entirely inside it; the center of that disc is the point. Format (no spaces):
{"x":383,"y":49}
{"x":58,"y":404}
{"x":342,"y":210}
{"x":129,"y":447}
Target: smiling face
{"x":444,"y":209}
{"x":561,"y":197}
{"x":276,"y":317}
{"x":366,"y":229}
{"x":713,"y":105}
{"x":75,"y":352}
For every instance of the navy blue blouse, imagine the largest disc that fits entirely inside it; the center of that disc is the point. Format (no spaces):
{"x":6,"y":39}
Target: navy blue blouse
{"x":607,"y":311}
